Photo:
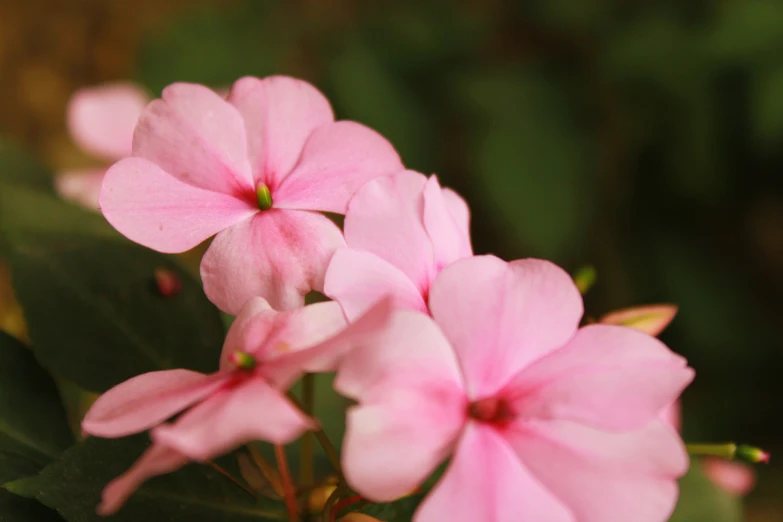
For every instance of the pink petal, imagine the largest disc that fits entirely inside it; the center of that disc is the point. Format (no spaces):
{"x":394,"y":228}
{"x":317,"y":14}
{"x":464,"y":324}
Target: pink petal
{"x":651,"y":319}
{"x":735,"y":477}
{"x":252,"y":410}
{"x":280,"y":113}
{"x":459,"y":210}
{"x":101,"y":119}
{"x":286,"y":367}
{"x":157,"y":460}
{"x":279,"y":255}
{"x":609,"y":377}
{"x":356,"y":279}
{"x":337,"y":159}
{"x":160,"y":212}
{"x":147,"y":400}
{"x":411,"y":406}
{"x":486,"y":482}
{"x":248,"y":331}
{"x":80,"y":186}
{"x":450,"y":239}
{"x":500,"y":317}
{"x":672,"y":416}
{"x":199,"y":138}
{"x":385,"y":218}
{"x":603,"y":476}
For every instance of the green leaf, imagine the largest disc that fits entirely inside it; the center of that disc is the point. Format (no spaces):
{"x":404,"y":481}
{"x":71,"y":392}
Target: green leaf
{"x":533,"y":164}
{"x":767,"y":104}
{"x":195,"y":493}
{"x":397,"y":511}
{"x":24,"y":210}
{"x":12,"y":507}
{"x":746,"y":31}
{"x":95,"y":316}
{"x":18,"y":167}
{"x":700,"y":499}
{"x":32,"y":420}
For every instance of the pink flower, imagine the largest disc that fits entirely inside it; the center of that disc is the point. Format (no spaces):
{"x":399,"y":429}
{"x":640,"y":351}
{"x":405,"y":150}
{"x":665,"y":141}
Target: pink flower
{"x":255,"y":170}
{"x":101,"y":121}
{"x":264,"y":353}
{"x":401,"y":231}
{"x":542,"y":420}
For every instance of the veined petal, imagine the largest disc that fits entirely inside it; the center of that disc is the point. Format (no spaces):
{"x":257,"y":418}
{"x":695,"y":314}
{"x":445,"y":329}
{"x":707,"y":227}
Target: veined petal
{"x":447,"y":231}
{"x":486,"y":481}
{"x":386,"y":218}
{"x":80,"y":186}
{"x":101,"y":119}
{"x":157,"y":460}
{"x":609,"y":377}
{"x":152,"y":208}
{"x":280,"y":113}
{"x":337,"y":159}
{"x":252,"y":410}
{"x":604,"y":476}
{"x":500,"y":317}
{"x":279,"y":255}
{"x":356,"y":279}
{"x":147,"y":400}
{"x":198,"y":137}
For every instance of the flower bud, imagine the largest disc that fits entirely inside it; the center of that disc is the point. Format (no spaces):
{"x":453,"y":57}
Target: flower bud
{"x":167,"y":282}
{"x":584,"y":278}
{"x":650,"y":319}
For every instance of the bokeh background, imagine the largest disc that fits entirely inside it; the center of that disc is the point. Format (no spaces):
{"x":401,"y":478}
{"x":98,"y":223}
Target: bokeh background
{"x":643,"y":137}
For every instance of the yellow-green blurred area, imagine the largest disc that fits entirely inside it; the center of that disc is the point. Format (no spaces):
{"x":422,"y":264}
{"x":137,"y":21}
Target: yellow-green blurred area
{"x":644,"y":137}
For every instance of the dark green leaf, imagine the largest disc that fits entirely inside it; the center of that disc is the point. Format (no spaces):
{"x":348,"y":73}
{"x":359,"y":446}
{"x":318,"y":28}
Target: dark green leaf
{"x":700,"y":499}
{"x":196,"y":493}
{"x":746,"y":31}
{"x":397,"y":511}
{"x":95,"y":316}
{"x":32,"y":420}
{"x":18,"y":167}
{"x":767,"y":104}
{"x":12,"y":507}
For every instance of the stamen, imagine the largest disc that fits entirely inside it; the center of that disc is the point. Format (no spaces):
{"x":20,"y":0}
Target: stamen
{"x":263,"y":196}
{"x":242,"y":360}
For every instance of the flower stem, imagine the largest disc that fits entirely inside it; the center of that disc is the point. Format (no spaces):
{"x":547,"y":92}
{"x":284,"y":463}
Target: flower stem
{"x":289,"y":493}
{"x":323,"y":440}
{"x":306,"y":473}
{"x":266,"y":469}
{"x":229,"y":476}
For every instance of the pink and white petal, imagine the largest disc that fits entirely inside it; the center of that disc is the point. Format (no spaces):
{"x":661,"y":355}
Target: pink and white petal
{"x":604,"y":476}
{"x":152,"y":208}
{"x":392,"y":444}
{"x":650,"y":319}
{"x":500,"y":317}
{"x":80,"y":186}
{"x":249,"y":329}
{"x":735,"y":477}
{"x":252,"y":410}
{"x":357,"y":279}
{"x":608,"y":377}
{"x":101,"y":119}
{"x":450,"y":241}
{"x":279,"y":255}
{"x":283,"y":370}
{"x":672,"y":416}
{"x":336,"y":161}
{"x":386,"y":218}
{"x":157,"y":460}
{"x":280,"y":113}
{"x":198,"y":137}
{"x":147,"y":400}
{"x":410,"y":351}
{"x":486,"y":481}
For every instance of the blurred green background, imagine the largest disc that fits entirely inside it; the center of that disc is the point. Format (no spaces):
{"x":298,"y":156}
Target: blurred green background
{"x":643,"y":137}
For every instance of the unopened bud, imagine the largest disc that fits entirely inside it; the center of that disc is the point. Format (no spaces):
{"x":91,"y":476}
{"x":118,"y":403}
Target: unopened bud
{"x":242,"y":360}
{"x":650,"y":319}
{"x":319,"y":495}
{"x":167,"y":282}
{"x":264,"y":197}
{"x":752,"y":454}
{"x":585,"y":278}
{"x":730,"y":451}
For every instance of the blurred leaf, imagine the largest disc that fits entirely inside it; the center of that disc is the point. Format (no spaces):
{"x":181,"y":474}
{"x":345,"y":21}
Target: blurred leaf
{"x":12,"y":507}
{"x":18,"y":167}
{"x":95,"y":316}
{"x":23,"y":210}
{"x":365,"y":90}
{"x":746,"y":31}
{"x":216,"y":45}
{"x":32,"y":420}
{"x":567,"y":15}
{"x":533,"y":163}
{"x":196,"y":493}
{"x":398,"y":511}
{"x":701,"y":500}
{"x":767,"y":104}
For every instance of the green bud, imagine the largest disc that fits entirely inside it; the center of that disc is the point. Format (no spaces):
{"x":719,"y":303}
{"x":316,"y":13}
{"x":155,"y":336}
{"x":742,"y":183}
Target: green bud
{"x":264,"y":197}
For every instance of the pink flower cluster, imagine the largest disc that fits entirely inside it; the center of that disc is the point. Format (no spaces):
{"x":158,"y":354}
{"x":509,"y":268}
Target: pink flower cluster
{"x":450,"y":356}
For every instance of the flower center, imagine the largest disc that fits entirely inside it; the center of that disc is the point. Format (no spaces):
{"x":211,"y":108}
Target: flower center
{"x":263,"y":196}
{"x":242,"y":360}
{"x":491,"y":410}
